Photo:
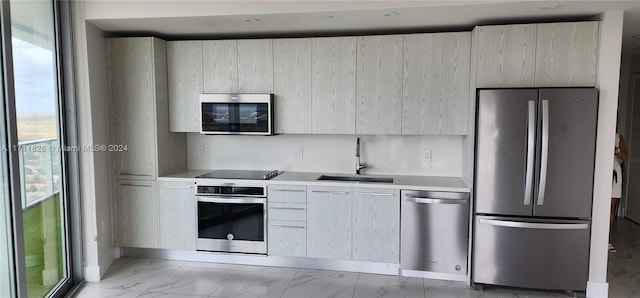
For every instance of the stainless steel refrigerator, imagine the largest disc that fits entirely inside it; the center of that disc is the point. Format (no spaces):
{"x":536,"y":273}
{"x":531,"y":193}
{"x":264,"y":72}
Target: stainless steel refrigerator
{"x":534,"y":166}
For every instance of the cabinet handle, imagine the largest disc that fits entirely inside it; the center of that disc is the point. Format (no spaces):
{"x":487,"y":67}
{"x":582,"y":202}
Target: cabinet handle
{"x":288,"y":190}
{"x":288,"y":208}
{"x":177,"y":187}
{"x":331,"y":192}
{"x":380,"y":194}
{"x":141,"y":185}
{"x":287,"y":226}
{"x":138,"y":175}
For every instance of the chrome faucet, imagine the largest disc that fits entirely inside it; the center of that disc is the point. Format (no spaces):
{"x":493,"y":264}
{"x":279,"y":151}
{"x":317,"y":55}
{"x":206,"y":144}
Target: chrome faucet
{"x":359,"y":165}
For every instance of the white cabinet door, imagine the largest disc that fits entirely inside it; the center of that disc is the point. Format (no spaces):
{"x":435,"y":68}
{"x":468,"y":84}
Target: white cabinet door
{"x":287,"y":238}
{"x":436,"y":83}
{"x":132,"y":101}
{"x":288,"y":193}
{"x":137,"y":213}
{"x":329,"y":222}
{"x":376,"y":225}
{"x":506,"y":55}
{"x":255,"y":66}
{"x":334,"y":85}
{"x":184,"y":70}
{"x":566,"y":54}
{"x":379,"y":84}
{"x":292,"y":85}
{"x":220,"y":66}
{"x":177,"y":215}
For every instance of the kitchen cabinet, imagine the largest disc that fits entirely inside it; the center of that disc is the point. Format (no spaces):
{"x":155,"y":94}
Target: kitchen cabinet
{"x":255,"y":66}
{"x":506,"y":55}
{"x":139,"y":110}
{"x":329,"y":226}
{"x":379,"y":84}
{"x":334,"y":85}
{"x":376,"y":225}
{"x":287,"y":217}
{"x":184,"y":70}
{"x":436,"y":83}
{"x":566,"y":54}
{"x":137,"y":213}
{"x":176,"y":215}
{"x":292,"y":85}
{"x":220,"y":66}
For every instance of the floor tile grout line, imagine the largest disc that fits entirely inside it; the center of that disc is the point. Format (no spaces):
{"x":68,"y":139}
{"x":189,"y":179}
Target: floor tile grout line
{"x":290,"y":280}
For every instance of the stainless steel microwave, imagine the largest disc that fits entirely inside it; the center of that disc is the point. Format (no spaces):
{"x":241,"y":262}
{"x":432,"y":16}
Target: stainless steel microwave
{"x":236,"y":114}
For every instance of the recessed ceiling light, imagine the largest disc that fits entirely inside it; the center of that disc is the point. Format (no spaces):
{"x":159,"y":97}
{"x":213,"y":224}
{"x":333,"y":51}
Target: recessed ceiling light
{"x":391,"y":14}
{"x":553,"y":6}
{"x":252,"y":20}
{"x":637,"y":36}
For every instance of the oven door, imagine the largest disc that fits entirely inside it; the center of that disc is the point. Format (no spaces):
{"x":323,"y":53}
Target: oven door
{"x":236,"y":114}
{"x":232,"y":224}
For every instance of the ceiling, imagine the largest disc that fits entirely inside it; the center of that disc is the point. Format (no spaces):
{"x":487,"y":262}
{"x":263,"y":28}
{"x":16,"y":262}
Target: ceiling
{"x":231,"y":19}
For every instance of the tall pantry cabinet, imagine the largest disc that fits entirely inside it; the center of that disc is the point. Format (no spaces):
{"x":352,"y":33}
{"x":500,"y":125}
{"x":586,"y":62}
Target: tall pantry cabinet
{"x":139,"y":119}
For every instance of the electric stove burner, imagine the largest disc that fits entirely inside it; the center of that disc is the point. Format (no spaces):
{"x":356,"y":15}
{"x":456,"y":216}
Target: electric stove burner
{"x":241,"y":174}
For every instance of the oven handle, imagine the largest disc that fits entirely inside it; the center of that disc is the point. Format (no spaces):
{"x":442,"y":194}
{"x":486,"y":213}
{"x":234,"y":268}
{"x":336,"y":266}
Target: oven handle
{"x":231,"y":200}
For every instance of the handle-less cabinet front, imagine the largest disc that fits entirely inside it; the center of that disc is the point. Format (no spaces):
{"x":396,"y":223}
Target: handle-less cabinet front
{"x":176,"y":216}
{"x":137,"y":213}
{"x":435,"y":231}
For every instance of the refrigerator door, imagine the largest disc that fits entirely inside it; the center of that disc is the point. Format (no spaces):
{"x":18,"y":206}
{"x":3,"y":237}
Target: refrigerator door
{"x":529,"y":253}
{"x":568,"y":118}
{"x":506,"y":130}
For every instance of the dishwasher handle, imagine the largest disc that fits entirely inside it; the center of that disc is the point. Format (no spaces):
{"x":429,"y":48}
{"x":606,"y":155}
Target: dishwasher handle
{"x":427,"y":200}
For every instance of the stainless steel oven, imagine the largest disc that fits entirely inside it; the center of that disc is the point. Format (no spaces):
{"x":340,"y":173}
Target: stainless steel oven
{"x":249,"y":114}
{"x":232,"y":218}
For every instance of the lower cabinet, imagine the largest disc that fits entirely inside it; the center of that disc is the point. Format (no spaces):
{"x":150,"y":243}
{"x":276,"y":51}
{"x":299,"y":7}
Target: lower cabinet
{"x":329,"y":222}
{"x":177,"y":215}
{"x":287,"y":221}
{"x":137,"y":213}
{"x":376,"y":225}
{"x":287,"y":238}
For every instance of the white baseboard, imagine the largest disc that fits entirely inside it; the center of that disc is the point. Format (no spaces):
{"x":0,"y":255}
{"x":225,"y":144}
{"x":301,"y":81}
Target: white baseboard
{"x":92,"y":273}
{"x":597,"y":289}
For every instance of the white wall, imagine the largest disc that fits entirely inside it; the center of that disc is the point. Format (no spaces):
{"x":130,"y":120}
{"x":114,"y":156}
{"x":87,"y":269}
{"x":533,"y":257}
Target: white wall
{"x":630,"y":65}
{"x":92,"y":119}
{"x":609,"y":53}
{"x":329,"y":153}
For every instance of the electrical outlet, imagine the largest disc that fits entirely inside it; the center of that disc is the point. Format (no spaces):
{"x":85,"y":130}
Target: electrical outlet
{"x":200,"y":151}
{"x":427,"y":155}
{"x":297,"y":152}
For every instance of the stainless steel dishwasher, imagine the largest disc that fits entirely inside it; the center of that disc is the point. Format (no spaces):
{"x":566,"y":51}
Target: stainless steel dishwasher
{"x":435,"y":231}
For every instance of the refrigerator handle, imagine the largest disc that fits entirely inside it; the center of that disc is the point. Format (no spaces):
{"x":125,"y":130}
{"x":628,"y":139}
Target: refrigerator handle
{"x":544,"y":154}
{"x":534,"y":225}
{"x":531,"y":137}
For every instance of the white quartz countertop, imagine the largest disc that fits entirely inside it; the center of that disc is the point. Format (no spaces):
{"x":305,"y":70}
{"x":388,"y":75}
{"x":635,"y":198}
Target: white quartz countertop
{"x":432,"y":183}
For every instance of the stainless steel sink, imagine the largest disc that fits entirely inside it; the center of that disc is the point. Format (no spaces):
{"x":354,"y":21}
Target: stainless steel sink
{"x":356,"y":178}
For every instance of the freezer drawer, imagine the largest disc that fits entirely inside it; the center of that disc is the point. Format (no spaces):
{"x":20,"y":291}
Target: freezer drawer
{"x":531,"y":253}
{"x":434,"y":231}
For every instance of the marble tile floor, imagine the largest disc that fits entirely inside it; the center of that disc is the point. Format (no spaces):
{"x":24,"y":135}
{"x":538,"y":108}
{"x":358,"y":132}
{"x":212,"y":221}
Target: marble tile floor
{"x":623,"y":268}
{"x":168,"y":279}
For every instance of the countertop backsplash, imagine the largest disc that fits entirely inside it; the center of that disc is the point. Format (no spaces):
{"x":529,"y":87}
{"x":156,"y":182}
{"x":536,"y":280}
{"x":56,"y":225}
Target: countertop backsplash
{"x":389,"y":154}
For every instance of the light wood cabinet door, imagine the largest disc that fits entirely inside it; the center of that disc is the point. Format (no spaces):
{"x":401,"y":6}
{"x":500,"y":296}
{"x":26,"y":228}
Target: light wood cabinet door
{"x":379,"y":84}
{"x":334,"y":85}
{"x":132,"y":101}
{"x":287,"y":238}
{"x":292,"y":85}
{"x":288,"y":193}
{"x":220,"y":66}
{"x":329,"y":222}
{"x":137,"y":213}
{"x":506,"y":56}
{"x":436,"y":84}
{"x":255,"y":66}
{"x":376,"y":225}
{"x":566,"y":54}
{"x":177,"y":215}
{"x":184,"y":70}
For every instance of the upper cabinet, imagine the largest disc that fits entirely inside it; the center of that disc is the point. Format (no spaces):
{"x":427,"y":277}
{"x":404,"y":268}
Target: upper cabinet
{"x":255,"y":66}
{"x":334,"y":85}
{"x":436,"y":83}
{"x":292,"y":85}
{"x":567,"y":54}
{"x":220,"y":66}
{"x":184,"y":70}
{"x":379,"y":84}
{"x":506,"y":56}
{"x":537,"y":55}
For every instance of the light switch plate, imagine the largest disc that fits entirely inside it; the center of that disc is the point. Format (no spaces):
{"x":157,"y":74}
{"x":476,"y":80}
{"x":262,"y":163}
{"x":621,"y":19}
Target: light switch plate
{"x":427,"y":155}
{"x":297,"y":152}
{"x":200,"y":151}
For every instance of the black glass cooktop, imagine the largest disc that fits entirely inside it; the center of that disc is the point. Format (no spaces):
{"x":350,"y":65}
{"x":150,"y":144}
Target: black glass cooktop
{"x":241,"y":174}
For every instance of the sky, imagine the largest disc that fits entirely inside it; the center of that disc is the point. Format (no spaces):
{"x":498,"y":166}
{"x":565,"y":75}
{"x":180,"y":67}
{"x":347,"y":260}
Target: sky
{"x":34,"y":78}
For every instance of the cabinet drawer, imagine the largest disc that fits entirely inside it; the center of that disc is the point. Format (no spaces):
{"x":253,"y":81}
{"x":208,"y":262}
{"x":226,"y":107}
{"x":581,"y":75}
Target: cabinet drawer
{"x":288,"y":193}
{"x":287,"y":238}
{"x":287,"y":211}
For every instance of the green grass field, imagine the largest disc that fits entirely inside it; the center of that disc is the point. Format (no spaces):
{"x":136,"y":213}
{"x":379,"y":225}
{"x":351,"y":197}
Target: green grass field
{"x":33,"y":127}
